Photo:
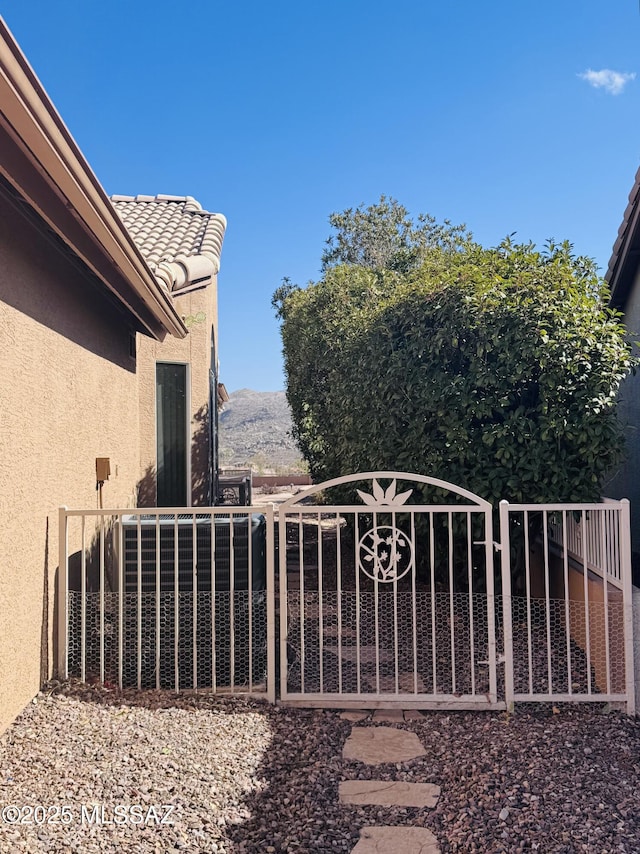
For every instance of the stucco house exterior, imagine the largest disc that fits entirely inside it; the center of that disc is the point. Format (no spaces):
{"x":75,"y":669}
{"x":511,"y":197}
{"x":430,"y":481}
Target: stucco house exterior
{"x":623,"y":277}
{"x":108,"y":330}
{"x":181,"y":244}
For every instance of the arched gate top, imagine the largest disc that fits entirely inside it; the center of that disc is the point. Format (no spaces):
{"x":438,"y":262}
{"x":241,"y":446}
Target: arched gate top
{"x":386,"y":496}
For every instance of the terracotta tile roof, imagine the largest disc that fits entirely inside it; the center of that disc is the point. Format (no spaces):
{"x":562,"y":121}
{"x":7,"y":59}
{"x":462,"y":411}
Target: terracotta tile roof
{"x":180,"y":241}
{"x":625,"y":255}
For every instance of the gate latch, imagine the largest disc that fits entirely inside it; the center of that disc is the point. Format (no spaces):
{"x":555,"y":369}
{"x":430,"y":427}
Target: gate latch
{"x":497,"y":546}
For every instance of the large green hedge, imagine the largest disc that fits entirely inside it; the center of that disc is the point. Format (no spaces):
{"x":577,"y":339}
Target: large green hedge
{"x":496,"y":369}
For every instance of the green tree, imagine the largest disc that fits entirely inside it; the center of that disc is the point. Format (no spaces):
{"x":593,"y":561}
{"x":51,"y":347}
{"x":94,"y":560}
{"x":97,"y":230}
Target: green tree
{"x":497,"y":369}
{"x":383,"y":237}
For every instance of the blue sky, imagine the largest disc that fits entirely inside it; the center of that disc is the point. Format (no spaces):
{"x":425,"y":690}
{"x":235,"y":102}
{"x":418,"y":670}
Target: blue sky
{"x":497,"y":115}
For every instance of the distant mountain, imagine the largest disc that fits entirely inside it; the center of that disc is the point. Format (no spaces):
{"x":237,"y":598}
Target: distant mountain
{"x":255,"y":431}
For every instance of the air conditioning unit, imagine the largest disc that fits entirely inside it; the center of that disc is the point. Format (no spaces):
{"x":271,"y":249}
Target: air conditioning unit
{"x":208,"y":562}
{"x":151,"y":559}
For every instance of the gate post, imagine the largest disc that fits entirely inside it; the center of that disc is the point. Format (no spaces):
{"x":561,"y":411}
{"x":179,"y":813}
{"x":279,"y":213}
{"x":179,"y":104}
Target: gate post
{"x":627,"y":593}
{"x":63,"y":580}
{"x":507,"y":626}
{"x":271,"y":609}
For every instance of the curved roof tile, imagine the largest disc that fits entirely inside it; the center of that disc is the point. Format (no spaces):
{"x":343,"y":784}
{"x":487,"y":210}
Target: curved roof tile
{"x":179,"y":240}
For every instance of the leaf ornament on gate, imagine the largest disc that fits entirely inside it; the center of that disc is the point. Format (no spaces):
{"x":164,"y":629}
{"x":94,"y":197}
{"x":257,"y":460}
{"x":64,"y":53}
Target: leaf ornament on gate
{"x":384,"y":496}
{"x":385,"y":553}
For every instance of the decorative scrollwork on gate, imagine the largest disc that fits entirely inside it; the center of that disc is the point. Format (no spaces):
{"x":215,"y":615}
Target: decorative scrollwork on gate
{"x":385,"y":553}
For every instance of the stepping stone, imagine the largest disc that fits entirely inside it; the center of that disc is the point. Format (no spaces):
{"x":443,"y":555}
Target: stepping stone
{"x":413,"y":715}
{"x":375,"y":745}
{"x":388,"y":840}
{"x":391,"y":716}
{"x":354,"y":716}
{"x":385,"y":793}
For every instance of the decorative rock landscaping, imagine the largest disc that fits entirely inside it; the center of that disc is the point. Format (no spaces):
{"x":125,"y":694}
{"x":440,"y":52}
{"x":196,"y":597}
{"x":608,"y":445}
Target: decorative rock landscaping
{"x":246,"y":777}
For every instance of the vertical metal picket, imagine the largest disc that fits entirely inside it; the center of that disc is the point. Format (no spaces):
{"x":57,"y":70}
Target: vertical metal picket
{"x":627,"y":592}
{"x":63,"y":587}
{"x":271,"y":606}
{"x":507,"y":617}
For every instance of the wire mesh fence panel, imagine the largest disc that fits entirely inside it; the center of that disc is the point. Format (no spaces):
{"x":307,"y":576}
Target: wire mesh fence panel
{"x":176,"y":600}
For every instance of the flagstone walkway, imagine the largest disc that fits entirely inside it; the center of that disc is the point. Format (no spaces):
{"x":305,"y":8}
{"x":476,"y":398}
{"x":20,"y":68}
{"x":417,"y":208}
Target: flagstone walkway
{"x":378,"y":745}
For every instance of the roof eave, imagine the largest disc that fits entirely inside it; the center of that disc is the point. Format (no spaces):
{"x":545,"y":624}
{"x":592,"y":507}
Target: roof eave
{"x":625,"y":257}
{"x":56,"y":180}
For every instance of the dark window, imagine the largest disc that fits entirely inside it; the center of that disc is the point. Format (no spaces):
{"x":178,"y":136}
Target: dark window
{"x":171,"y":434}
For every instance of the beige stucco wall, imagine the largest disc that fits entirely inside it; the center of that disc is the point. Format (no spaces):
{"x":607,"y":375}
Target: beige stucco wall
{"x":68,"y":394}
{"x":199,"y":308}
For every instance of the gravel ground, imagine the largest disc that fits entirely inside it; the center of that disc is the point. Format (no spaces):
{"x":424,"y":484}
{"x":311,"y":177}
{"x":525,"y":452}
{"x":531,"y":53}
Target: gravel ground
{"x":246,"y":777}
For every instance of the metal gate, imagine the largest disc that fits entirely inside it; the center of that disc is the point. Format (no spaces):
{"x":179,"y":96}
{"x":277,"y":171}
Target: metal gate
{"x":387,"y":595}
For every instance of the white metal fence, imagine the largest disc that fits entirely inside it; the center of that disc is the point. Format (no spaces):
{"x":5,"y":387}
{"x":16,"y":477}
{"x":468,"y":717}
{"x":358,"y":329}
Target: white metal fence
{"x":168,"y":598}
{"x":568,"y":620}
{"x":385,"y":597}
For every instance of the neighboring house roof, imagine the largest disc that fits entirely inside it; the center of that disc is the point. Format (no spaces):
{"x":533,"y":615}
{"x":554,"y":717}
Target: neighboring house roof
{"x":222,"y":395}
{"x":45,"y":168}
{"x":180,"y":241}
{"x":625,"y":257}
